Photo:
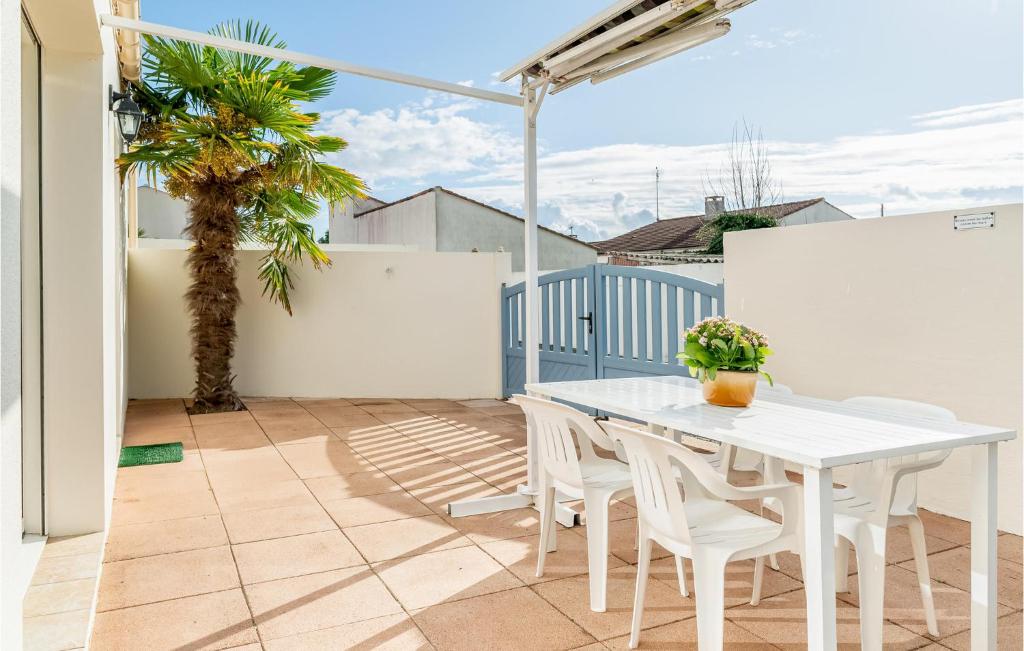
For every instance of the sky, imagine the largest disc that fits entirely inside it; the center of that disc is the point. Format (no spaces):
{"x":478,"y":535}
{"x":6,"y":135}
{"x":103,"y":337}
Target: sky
{"x":917,"y":104}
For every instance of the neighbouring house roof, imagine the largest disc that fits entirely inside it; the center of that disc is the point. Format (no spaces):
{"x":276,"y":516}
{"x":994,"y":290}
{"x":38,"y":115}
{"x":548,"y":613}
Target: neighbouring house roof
{"x":504,"y":213}
{"x":681,"y":232}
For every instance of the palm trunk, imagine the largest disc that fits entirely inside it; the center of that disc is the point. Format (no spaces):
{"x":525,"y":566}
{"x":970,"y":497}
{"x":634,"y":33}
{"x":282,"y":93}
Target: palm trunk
{"x":213,"y":297}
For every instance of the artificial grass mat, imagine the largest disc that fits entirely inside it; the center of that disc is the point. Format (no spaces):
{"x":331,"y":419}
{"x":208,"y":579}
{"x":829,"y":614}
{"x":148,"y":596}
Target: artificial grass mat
{"x":144,"y":455}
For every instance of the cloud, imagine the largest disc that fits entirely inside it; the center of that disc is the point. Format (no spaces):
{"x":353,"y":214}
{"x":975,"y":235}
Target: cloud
{"x":951,"y":158}
{"x":422,"y":139}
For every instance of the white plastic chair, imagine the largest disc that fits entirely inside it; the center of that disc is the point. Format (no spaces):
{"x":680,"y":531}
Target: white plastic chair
{"x":560,"y":429}
{"x":883,"y":494}
{"x":699,"y":523}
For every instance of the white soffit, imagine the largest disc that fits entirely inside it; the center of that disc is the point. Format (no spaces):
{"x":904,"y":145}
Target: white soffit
{"x":626,"y":36}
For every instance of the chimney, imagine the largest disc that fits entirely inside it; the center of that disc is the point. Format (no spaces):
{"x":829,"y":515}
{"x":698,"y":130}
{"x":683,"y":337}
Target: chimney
{"x":713,"y":207}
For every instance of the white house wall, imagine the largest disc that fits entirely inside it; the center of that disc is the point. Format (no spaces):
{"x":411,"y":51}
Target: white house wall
{"x":900,"y":306}
{"x":161,"y":216}
{"x":816,"y":213}
{"x":465,"y":225}
{"x":409,"y":223}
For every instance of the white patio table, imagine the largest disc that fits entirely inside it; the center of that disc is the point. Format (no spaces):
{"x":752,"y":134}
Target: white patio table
{"x":819,"y":435}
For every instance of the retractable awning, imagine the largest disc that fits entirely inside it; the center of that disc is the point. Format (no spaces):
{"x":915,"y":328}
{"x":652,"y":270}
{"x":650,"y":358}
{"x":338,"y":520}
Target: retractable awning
{"x":628,"y":35}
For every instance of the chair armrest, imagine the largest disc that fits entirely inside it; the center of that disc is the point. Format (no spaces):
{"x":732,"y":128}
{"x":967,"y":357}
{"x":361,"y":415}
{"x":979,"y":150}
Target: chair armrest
{"x":897,"y":471}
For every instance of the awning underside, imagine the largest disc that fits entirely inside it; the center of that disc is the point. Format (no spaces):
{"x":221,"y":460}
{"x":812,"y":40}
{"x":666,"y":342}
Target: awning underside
{"x":626,"y":36}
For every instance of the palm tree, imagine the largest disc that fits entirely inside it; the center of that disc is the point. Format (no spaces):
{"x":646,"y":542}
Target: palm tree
{"x":225,"y":133}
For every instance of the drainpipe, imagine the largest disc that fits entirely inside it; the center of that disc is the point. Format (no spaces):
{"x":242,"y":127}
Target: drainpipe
{"x":128,"y":41}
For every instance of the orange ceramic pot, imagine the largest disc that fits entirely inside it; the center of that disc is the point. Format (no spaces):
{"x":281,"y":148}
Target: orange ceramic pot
{"x":731,"y":389}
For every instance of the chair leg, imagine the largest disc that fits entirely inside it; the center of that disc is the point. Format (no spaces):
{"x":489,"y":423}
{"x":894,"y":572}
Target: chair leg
{"x":870,"y":548}
{"x":681,"y":574}
{"x":923,"y":576}
{"x":774,"y":560}
{"x":547,"y":526}
{"x":842,"y":564}
{"x":643,"y":565}
{"x":755,"y":596}
{"x":596,"y":505}
{"x":709,"y":586}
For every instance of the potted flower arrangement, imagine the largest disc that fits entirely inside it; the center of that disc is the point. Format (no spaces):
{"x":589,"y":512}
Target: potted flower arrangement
{"x":726,"y":357}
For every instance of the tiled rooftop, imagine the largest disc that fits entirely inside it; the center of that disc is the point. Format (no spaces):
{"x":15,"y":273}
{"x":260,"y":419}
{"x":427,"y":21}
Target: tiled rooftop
{"x":307,"y":524}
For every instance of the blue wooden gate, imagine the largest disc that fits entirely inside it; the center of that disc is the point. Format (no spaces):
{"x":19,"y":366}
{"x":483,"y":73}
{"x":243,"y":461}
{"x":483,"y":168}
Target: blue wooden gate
{"x":604,"y":321}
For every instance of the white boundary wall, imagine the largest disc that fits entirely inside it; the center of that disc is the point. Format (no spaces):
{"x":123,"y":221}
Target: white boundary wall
{"x":374,"y":324}
{"x":900,"y":306}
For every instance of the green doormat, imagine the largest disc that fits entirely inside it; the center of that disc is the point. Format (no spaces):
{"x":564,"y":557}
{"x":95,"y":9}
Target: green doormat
{"x":144,"y":455}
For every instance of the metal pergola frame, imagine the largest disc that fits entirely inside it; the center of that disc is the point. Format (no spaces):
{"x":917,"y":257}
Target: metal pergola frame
{"x":621,"y":38}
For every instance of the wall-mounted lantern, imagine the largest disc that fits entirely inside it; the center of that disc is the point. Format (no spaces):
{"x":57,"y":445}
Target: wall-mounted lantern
{"x":129,"y":115}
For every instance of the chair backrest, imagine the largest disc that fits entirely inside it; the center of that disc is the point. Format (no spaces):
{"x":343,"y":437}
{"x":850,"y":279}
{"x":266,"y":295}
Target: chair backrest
{"x":653,"y":461}
{"x":560,"y":430}
{"x":866,"y":477}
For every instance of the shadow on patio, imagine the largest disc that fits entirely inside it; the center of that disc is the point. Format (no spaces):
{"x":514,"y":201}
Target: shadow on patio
{"x":306,"y":524}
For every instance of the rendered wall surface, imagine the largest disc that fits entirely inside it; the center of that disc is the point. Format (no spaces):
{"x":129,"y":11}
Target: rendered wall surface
{"x":403,"y":325}
{"x":902,"y":306}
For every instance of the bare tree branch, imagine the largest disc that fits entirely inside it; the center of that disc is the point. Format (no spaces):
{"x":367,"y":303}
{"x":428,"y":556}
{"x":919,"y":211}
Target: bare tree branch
{"x":745,"y":179}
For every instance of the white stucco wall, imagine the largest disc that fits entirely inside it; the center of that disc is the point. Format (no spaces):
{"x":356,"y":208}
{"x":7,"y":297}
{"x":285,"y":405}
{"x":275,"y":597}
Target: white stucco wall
{"x":341,"y":223}
{"x":901,"y":306}
{"x":818,"y":213}
{"x":464,"y":225}
{"x":404,"y":325}
{"x":161,"y":216}
{"x":409,"y":223}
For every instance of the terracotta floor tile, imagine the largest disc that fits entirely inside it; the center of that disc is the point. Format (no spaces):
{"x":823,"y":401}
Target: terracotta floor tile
{"x":362,"y":432}
{"x":321,"y":459}
{"x":181,"y":435}
{"x":280,"y":558}
{"x":519,"y":555}
{"x":506,"y":472}
{"x":404,"y":420}
{"x":356,"y":511}
{"x":399,"y":455}
{"x":140,"y":486}
{"x":318,"y":601}
{"x":1008,"y":635}
{"x":220,"y":417}
{"x":945,"y":527}
{"x":429,"y":474}
{"x":572,"y":597}
{"x":73,"y":545}
{"x":680,"y":636}
{"x":169,"y":576}
{"x":322,"y":402}
{"x":435,"y":404}
{"x":456,"y":626}
{"x":255,"y":497}
{"x":62,"y":597}
{"x":217,"y":620}
{"x":898,"y":548}
{"x":437,"y":498}
{"x":621,"y":538}
{"x":448,"y":575}
{"x":903,"y":603}
{"x":358,"y":484}
{"x":486,"y":402}
{"x":390,"y":408}
{"x":1010,"y":547}
{"x":389,"y":633}
{"x":782,"y":620}
{"x":66,"y":568}
{"x":502,"y":525}
{"x":65,"y":630}
{"x":164,"y":537}
{"x":386,"y":540}
{"x":248,"y":526}
{"x":343,"y":417}
{"x":739,"y":577}
{"x":285,"y":435}
{"x":954,"y":567}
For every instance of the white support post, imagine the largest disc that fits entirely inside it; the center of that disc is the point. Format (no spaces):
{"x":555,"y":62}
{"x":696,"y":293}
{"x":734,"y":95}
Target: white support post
{"x":819,"y":559}
{"x":526,"y":494}
{"x":983,"y":546}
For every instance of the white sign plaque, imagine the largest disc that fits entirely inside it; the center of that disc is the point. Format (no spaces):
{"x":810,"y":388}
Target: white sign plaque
{"x":974,"y":220}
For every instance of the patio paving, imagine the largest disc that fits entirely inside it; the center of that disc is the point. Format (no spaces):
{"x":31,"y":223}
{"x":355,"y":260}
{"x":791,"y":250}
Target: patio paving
{"x":320,"y":524}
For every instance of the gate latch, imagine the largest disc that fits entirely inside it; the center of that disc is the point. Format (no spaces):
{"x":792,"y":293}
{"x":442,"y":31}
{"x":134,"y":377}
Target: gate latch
{"x":590,"y":322}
